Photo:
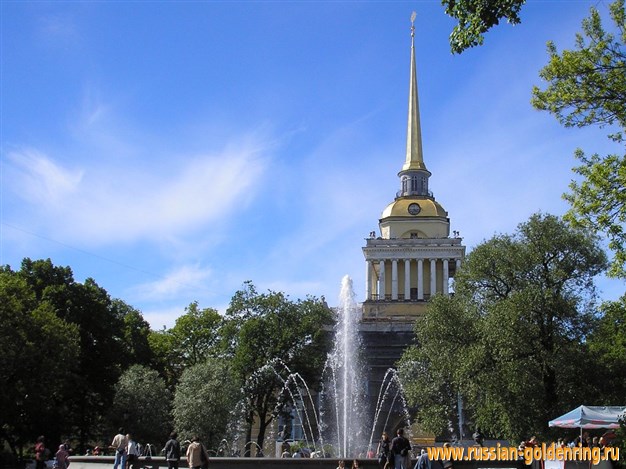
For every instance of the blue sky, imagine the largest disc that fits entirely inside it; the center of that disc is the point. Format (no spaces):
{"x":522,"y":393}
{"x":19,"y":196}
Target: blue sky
{"x":173,"y":150}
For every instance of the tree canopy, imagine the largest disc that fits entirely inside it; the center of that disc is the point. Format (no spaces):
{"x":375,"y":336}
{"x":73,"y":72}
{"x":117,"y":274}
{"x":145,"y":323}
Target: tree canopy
{"x":511,"y":341}
{"x":476,"y":17}
{"x":194,"y":336}
{"x":142,"y":404}
{"x":37,"y":363}
{"x":205,"y":400}
{"x":263,"y":329}
{"x":82,"y":363}
{"x":587,"y":86}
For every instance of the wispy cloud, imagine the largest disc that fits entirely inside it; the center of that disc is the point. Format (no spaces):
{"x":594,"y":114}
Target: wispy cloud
{"x":58,"y":26}
{"x":37,"y":178}
{"x":104,"y":204}
{"x":183,"y":279}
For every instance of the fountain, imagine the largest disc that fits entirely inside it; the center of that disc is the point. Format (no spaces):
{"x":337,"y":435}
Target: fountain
{"x":344,"y":417}
{"x":345,"y":376}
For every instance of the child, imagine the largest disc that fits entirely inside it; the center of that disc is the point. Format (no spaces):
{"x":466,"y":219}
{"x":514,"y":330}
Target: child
{"x":62,"y":457}
{"x":341,"y":464}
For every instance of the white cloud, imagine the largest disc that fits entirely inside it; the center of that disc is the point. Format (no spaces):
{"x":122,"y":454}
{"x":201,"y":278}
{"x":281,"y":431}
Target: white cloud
{"x":102,"y":204}
{"x":163,"y":317}
{"x":183,"y":279}
{"x":37,"y":178}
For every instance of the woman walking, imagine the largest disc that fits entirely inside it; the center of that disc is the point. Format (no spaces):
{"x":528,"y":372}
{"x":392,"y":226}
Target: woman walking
{"x":197,"y":456}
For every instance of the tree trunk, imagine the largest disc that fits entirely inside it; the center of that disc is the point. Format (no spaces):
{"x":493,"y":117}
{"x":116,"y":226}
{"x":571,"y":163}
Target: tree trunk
{"x":261,"y":436}
{"x":246,"y":450}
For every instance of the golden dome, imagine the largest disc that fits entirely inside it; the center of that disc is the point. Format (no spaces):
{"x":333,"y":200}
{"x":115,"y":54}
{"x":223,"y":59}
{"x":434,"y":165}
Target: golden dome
{"x":424,"y":208}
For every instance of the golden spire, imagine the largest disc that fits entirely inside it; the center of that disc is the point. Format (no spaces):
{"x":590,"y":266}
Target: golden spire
{"x":414,"y":155}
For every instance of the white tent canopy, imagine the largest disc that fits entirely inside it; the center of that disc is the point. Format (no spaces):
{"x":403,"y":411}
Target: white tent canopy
{"x":590,"y":417}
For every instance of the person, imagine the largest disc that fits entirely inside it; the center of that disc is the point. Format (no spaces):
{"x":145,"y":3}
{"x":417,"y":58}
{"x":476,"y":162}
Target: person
{"x":479,"y":438}
{"x":607,"y":438}
{"x":341,"y":464}
{"x":447,"y":463}
{"x":355,"y":464}
{"x":384,"y":447}
{"x":68,"y":447}
{"x":62,"y":457}
{"x":119,"y":445}
{"x":197,"y":455}
{"x":132,"y":452}
{"x":172,"y":451}
{"x":40,"y":453}
{"x":423,"y":462}
{"x":400,"y":448}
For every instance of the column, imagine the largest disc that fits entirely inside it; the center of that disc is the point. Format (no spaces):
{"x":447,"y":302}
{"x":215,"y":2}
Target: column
{"x":381,"y":281}
{"x":420,"y":279}
{"x":368,"y":280}
{"x":407,"y":279}
{"x":446,"y":275}
{"x":458,"y":264}
{"x":394,"y":279}
{"x":433,"y":276}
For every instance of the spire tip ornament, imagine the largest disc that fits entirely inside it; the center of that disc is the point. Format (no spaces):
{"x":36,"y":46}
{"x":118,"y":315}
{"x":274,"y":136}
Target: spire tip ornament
{"x":414,"y":158}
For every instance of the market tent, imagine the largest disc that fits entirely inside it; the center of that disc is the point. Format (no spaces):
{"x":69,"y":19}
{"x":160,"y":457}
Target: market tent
{"x":590,"y":417}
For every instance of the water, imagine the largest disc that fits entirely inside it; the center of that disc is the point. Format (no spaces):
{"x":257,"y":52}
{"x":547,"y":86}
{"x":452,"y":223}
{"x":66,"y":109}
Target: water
{"x":347,"y":379}
{"x":343,"y":417}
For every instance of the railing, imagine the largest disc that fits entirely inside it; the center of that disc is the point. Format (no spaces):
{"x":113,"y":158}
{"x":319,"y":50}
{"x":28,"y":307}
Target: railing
{"x":401,"y":298}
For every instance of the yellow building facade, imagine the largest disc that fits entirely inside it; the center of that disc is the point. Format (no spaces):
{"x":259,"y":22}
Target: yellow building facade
{"x":413,"y":256}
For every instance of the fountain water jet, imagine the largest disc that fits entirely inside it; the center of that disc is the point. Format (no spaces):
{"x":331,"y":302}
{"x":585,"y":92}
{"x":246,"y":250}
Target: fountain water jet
{"x":343,"y":415}
{"x":346,"y":372}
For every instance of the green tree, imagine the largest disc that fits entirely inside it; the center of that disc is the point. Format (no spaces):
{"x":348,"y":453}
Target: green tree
{"x":587,"y":86}
{"x":476,"y":17}
{"x":100,"y":327}
{"x":265,"y":329}
{"x":446,"y":331}
{"x":511,"y":341}
{"x":194,"y":336}
{"x":142,"y":404}
{"x":162,"y":346}
{"x":39,"y":352}
{"x":204,"y":400}
{"x":136,"y":331}
{"x":607,"y":345}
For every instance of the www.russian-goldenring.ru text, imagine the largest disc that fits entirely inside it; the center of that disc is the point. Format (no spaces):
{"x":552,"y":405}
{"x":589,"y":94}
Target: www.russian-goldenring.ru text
{"x":529,"y":454}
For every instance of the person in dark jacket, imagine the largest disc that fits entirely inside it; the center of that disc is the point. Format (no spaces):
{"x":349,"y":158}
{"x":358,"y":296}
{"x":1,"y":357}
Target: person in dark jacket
{"x":172,"y":451}
{"x":401,"y":447}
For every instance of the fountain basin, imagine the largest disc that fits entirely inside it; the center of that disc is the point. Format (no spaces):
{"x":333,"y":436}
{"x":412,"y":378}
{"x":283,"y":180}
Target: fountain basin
{"x":102,"y":462}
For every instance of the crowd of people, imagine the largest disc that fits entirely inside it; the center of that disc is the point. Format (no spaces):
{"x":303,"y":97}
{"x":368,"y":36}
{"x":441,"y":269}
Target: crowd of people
{"x":127,"y":452}
{"x":585,"y":440}
{"x":397,"y":453}
{"x":393,"y":453}
{"x":43,"y":454}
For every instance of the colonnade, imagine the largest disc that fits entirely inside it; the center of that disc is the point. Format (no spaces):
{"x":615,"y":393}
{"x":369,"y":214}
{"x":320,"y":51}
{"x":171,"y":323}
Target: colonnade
{"x":376,"y":286}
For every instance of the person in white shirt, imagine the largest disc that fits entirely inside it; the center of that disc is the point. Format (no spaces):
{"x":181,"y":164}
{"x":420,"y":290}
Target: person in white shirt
{"x":132,"y":452}
{"x":119,"y":445}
